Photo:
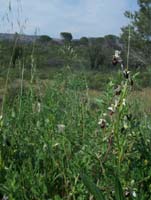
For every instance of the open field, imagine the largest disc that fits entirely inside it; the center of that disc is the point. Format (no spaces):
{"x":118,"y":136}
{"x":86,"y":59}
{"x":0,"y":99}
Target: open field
{"x":61,"y":139}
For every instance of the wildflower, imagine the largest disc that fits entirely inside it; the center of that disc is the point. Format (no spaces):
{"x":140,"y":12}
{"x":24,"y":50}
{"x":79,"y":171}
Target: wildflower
{"x":61,"y":128}
{"x":102,"y":123}
{"x":126,"y":74}
{"x":117,"y":53}
{"x":134,"y":194}
{"x":112,"y":109}
{"x":127,"y":193}
{"x":55,"y":145}
{"x":104,"y":114}
{"x":116,"y":58}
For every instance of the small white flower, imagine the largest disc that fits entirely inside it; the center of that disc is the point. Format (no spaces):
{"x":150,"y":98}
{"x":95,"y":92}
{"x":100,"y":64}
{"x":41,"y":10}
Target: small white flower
{"x":126,"y":74}
{"x":102,"y":123}
{"x":117,"y":53}
{"x":104,"y":114}
{"x":61,"y":128}
{"x":55,"y":145}
{"x":1,"y":117}
{"x":134,"y":194}
{"x":101,"y":120}
{"x":112,"y":109}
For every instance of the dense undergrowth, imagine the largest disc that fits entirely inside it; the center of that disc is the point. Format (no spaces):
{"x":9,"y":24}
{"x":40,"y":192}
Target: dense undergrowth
{"x":61,"y":145}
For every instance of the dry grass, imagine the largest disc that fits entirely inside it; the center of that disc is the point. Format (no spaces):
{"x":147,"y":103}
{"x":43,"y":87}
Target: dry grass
{"x":144,"y":99}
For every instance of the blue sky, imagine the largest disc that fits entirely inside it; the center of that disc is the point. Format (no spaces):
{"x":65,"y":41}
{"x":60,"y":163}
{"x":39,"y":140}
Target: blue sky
{"x":81,"y":17}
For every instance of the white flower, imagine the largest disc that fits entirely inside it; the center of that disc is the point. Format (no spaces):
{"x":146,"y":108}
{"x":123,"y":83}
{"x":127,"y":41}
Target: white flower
{"x":102,"y":123}
{"x":112,"y":109}
{"x":104,"y":114}
{"x":55,"y":145}
{"x":134,"y":194}
{"x":61,"y":128}
{"x":126,"y":74}
{"x":117,"y":53}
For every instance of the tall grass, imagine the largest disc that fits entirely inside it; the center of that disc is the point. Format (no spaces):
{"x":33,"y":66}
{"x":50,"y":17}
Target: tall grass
{"x":41,"y":161}
{"x":58,"y":144}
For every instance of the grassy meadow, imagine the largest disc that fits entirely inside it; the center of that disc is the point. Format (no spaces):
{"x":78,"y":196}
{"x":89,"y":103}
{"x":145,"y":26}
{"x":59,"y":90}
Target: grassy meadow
{"x":68,"y":134}
{"x":73,"y":126}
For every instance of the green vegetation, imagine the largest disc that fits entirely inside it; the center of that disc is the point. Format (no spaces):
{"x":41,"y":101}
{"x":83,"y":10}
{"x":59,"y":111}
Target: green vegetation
{"x":140,"y":35}
{"x":72,"y":125}
{"x":44,"y":39}
{"x":67,"y":37}
{"x":50,"y":141}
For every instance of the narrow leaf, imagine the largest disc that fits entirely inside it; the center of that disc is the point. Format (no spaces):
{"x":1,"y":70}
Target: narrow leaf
{"x":92,"y":188}
{"x":118,"y":190}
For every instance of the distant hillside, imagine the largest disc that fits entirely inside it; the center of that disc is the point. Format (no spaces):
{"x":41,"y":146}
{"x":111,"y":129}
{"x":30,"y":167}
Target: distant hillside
{"x":108,"y":40}
{"x":22,"y":38}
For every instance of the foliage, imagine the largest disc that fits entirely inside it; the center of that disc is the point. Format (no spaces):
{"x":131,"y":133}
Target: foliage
{"x":67,"y":37}
{"x":140,"y":34}
{"x":44,"y":39}
{"x":84,"y":41}
{"x":41,"y":160}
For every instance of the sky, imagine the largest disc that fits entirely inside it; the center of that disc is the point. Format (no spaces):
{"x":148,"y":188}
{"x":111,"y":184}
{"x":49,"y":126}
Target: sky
{"x":90,"y":18}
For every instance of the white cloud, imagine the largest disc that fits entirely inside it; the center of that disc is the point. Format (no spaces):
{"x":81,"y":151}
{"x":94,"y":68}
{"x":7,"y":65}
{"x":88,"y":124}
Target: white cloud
{"x":81,"y":17}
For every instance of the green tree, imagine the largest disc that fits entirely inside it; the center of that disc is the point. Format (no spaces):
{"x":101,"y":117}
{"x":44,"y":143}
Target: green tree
{"x":44,"y":39}
{"x":84,"y":41}
{"x":67,"y":37}
{"x":140,"y":34}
